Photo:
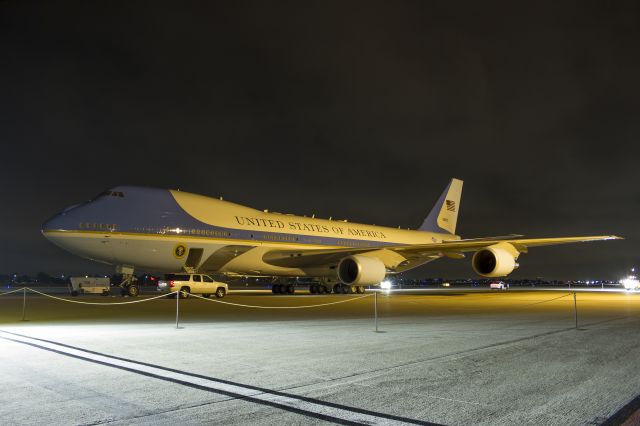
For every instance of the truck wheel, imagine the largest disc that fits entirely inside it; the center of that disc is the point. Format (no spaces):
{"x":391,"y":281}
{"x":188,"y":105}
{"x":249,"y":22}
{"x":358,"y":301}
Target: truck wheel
{"x":184,"y":293}
{"x":133,"y":290}
{"x":220,"y":292}
{"x":206,"y":295}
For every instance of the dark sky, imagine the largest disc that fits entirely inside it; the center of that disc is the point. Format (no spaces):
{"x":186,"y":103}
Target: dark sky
{"x":358,"y":110}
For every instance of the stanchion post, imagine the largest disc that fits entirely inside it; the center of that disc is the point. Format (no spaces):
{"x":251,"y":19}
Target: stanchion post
{"x":575,"y":308}
{"x":375,"y":308}
{"x":177,"y":308}
{"x":24,"y":303}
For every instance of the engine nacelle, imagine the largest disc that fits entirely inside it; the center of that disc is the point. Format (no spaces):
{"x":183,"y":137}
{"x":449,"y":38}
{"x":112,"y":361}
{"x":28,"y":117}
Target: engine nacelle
{"x":361,"y":270}
{"x":497,"y":260}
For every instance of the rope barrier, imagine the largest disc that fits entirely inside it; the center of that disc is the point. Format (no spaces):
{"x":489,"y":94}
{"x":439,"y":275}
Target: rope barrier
{"x":9,"y":292}
{"x":280,"y":307}
{"x":96,"y":303}
{"x":550,"y":300}
{"x":191,"y":295}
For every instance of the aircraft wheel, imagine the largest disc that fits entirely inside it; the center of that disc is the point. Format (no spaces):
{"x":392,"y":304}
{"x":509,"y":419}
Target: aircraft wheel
{"x":359,"y":289}
{"x":290,"y":289}
{"x":337,"y":289}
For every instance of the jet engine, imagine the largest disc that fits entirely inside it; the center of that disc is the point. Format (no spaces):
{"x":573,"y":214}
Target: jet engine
{"x":497,"y":260}
{"x":361,"y":270}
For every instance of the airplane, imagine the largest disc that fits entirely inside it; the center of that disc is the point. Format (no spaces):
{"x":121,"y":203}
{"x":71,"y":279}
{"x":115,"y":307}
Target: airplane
{"x":171,"y":230}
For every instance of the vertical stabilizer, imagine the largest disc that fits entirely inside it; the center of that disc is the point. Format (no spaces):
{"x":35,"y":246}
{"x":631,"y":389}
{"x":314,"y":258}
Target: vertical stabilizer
{"x":444,"y":215}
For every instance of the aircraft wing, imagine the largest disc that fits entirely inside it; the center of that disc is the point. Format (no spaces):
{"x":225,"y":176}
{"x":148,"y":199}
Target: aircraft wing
{"x":395,"y":255}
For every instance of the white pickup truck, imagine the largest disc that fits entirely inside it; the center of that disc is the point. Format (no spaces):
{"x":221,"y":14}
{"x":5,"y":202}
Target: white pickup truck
{"x":192,"y":284}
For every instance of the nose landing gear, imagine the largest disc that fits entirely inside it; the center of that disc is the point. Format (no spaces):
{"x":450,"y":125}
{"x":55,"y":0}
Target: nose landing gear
{"x":129,"y":283}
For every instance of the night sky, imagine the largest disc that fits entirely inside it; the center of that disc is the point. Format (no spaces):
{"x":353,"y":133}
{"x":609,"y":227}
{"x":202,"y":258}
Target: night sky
{"x":359,"y":110}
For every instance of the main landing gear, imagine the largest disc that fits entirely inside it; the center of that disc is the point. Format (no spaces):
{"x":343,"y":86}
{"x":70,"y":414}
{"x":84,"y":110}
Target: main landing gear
{"x":319,"y":288}
{"x":347,"y":289}
{"x":283,"y":289}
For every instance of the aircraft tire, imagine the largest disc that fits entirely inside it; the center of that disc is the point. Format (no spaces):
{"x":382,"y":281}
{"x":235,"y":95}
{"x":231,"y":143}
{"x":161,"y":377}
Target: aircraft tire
{"x":337,"y":289}
{"x":133,"y":290}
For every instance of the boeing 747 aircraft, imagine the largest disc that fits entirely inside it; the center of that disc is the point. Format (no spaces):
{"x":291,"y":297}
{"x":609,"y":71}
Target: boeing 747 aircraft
{"x":170,"y":230}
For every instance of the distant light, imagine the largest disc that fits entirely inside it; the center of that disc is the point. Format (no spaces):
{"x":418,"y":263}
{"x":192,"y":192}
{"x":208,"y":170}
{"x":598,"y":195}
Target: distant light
{"x":630,"y":283}
{"x":385,"y":285}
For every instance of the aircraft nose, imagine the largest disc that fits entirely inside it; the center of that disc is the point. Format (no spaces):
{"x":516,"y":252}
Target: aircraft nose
{"x":52,"y":224}
{"x":60,"y":222}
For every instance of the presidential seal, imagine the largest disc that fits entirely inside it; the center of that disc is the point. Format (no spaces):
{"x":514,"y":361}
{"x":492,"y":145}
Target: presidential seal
{"x":179,"y":251}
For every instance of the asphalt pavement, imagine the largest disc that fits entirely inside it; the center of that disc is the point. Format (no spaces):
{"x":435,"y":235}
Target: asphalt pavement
{"x":454,"y":357}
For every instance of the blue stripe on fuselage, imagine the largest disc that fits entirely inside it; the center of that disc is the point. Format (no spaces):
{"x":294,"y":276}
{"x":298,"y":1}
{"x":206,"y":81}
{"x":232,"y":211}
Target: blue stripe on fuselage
{"x":154,"y":211}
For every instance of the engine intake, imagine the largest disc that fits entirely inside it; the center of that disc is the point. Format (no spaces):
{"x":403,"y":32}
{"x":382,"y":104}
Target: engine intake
{"x":497,"y":260}
{"x":361,"y":270}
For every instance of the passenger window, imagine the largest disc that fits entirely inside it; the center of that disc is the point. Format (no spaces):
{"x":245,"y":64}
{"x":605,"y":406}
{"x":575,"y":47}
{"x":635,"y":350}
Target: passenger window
{"x":196,"y":278}
{"x":207,"y":279}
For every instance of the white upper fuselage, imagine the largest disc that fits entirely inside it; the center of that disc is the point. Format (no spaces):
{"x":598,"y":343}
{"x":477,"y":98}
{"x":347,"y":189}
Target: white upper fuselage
{"x":160,"y":230}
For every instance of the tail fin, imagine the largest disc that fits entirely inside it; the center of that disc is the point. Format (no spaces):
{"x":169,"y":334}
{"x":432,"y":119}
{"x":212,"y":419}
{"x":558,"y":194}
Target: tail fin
{"x":444,"y":215}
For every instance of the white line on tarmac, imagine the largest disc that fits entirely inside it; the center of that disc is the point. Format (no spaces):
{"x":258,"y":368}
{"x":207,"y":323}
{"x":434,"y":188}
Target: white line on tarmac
{"x":331,"y":412}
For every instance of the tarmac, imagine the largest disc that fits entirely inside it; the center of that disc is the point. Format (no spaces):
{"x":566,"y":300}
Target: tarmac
{"x":452,"y":357}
